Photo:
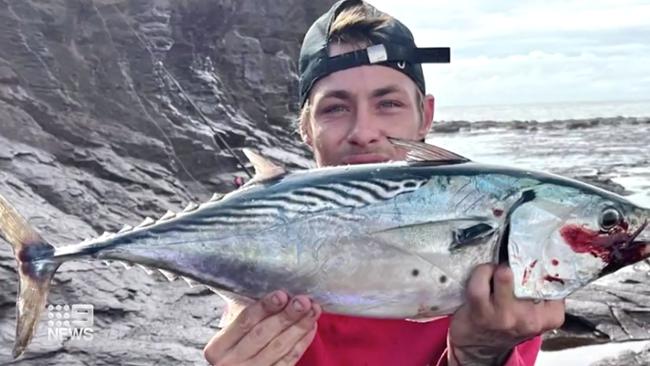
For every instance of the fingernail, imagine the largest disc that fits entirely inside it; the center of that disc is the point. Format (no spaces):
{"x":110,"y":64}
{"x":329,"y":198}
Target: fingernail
{"x":297,"y":305}
{"x":275,"y":299}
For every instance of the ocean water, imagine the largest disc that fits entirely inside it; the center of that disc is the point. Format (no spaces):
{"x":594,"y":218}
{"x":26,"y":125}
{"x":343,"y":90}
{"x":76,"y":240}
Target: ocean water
{"x":617,"y":149}
{"x":543,"y":112}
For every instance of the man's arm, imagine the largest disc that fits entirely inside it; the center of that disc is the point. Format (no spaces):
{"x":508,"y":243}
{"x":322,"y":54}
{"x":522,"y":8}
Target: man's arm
{"x":488,"y":327}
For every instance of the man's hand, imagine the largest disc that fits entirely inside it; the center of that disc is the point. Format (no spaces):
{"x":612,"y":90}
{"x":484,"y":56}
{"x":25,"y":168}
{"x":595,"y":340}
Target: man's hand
{"x":273,"y":331}
{"x":491,"y":323}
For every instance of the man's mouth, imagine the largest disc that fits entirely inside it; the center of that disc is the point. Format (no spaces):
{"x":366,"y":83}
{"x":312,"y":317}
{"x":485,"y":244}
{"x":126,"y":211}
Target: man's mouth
{"x":366,"y":158}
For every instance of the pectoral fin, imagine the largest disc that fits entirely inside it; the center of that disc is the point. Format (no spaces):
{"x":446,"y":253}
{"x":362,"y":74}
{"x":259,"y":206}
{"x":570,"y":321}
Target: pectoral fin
{"x":470,"y":235}
{"x":461,"y":232}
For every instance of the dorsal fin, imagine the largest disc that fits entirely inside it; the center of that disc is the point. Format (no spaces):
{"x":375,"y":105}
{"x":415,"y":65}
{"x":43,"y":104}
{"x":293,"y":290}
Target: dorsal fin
{"x":423,"y":152}
{"x":264,"y":168}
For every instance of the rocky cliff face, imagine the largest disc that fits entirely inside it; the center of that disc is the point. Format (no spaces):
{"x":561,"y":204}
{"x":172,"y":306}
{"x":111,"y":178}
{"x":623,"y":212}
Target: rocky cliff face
{"x":96,"y":131}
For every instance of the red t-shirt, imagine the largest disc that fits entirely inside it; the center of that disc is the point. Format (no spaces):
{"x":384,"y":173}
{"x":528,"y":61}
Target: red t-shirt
{"x":345,"y":340}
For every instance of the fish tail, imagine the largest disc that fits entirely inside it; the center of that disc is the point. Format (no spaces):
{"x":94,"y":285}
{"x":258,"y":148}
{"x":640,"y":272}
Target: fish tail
{"x":36,"y":267}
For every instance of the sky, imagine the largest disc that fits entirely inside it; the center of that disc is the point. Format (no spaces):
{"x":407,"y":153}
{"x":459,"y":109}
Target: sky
{"x":530,"y":51}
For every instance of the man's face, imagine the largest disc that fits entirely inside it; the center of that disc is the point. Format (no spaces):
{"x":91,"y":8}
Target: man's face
{"x":353,"y":111}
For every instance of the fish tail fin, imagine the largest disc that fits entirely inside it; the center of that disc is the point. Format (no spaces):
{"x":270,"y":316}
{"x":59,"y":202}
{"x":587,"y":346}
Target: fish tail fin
{"x":35,"y":271}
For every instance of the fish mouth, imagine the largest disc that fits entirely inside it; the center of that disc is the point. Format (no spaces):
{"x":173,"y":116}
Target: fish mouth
{"x":634,"y":248}
{"x":641,"y":236}
{"x":638,"y":242}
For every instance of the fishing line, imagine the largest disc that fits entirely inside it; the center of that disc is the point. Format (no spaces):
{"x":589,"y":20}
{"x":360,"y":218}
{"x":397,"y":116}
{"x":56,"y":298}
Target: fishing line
{"x":172,"y":155}
{"x":159,"y":63}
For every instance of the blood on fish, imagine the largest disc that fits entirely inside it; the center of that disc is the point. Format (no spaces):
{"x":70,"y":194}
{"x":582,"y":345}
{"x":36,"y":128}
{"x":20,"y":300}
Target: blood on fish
{"x":550,"y":278}
{"x":526,"y":275}
{"x":583,"y":240}
{"x":555,"y":262}
{"x":610,"y":246}
{"x":527,"y":272}
{"x":497,"y":212}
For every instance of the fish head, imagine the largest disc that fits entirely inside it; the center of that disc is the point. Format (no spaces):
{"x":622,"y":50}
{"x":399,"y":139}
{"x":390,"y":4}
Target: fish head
{"x":570,"y":236}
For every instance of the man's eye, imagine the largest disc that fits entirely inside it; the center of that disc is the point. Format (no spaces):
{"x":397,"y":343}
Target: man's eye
{"x":390,"y":104}
{"x":337,"y":108}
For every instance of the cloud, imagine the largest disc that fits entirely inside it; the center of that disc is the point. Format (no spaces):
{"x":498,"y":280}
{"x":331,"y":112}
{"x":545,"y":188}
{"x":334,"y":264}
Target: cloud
{"x":510,"y":52}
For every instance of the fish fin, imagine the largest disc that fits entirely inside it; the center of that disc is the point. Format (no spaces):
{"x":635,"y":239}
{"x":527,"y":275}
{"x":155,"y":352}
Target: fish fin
{"x":127,"y":265}
{"x":170,"y":276}
{"x":502,"y":255}
{"x":191,"y":206}
{"x":216,"y":197}
{"x":234,"y":304}
{"x":167,"y":216}
{"x":233,"y":297}
{"x":462,"y":226}
{"x":264,"y":168}
{"x":148,"y":221}
{"x":470,"y":235}
{"x":423,"y":152}
{"x":190,"y":282}
{"x":35,"y":270}
{"x":125,"y":228}
{"x":146,"y":269}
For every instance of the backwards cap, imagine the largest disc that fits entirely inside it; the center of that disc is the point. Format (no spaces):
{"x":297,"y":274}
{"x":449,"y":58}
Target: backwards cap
{"x":392,"y":46}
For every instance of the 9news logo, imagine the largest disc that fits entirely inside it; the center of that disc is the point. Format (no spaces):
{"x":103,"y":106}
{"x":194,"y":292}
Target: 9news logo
{"x":70,"y":322}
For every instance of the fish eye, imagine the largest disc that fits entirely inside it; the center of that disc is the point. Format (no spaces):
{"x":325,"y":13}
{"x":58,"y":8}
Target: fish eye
{"x":609,"y":218}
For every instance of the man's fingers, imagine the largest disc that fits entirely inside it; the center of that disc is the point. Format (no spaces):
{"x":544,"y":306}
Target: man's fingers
{"x":503,"y":280}
{"x":270,"y":328}
{"x":283,"y":344}
{"x":478,"y":291}
{"x":245,"y":321}
{"x":555,"y":311}
{"x":293,"y":356}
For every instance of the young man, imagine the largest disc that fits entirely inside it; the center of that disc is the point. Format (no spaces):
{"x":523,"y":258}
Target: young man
{"x":354,"y":95}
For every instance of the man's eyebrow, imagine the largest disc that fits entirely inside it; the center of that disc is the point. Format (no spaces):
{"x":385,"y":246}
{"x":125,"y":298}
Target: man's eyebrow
{"x":386,"y":90}
{"x":338,"y":93}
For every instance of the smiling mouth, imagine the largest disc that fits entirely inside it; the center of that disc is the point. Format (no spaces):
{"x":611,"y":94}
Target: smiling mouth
{"x":365,"y":158}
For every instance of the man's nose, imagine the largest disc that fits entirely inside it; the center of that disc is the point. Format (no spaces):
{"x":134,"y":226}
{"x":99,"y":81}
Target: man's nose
{"x":364,"y":130}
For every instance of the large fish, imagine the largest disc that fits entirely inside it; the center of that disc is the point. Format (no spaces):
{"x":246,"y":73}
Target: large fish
{"x":392,"y":240}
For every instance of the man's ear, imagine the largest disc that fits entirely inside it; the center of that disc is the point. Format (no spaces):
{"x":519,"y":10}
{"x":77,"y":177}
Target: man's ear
{"x":428,"y":105}
{"x":305,"y":130}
